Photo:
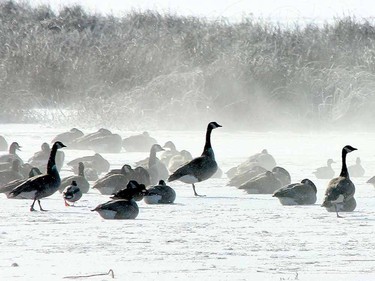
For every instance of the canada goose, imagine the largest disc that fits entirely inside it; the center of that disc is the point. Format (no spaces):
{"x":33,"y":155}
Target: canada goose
{"x":200,"y":168}
{"x":179,"y":160}
{"x":156,"y":168}
{"x":40,"y":158}
{"x":303,"y":193}
{"x":3,"y":144}
{"x":43,"y":185}
{"x":68,"y":137}
{"x":96,"y":162}
{"x":12,"y":174}
{"x":166,"y":156}
{"x":14,"y":146}
{"x":13,"y":184}
{"x":112,"y":183}
{"x":160,"y":194}
{"x":79,"y":179}
{"x":240,"y":179}
{"x":340,"y":190}
{"x":356,"y":170}
{"x":325,"y":172}
{"x":263,"y":159}
{"x":72,"y":193}
{"x":138,"y":143}
{"x":265,"y":183}
{"x":84,"y":141}
{"x":133,"y":190}
{"x":118,"y":209}
{"x":282,"y":175}
{"x":106,"y":144}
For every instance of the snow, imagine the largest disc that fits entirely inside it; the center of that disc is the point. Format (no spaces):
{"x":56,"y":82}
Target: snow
{"x":227,"y":235}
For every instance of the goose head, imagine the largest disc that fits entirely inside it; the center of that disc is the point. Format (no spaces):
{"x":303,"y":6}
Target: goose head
{"x":59,"y":145}
{"x":309,"y":182}
{"x":348,"y":148}
{"x":264,"y":151}
{"x":162,"y":182}
{"x":45,"y":147}
{"x":157,"y":148}
{"x":330,"y":161}
{"x":213,"y":125}
{"x":126,"y":169}
{"x":169,"y":145}
{"x":14,"y":146}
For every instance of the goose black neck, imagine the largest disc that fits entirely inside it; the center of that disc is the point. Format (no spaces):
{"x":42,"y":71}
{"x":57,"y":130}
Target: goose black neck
{"x":207,"y":145}
{"x":81,"y":170}
{"x":344,"y":168}
{"x":51,"y":160}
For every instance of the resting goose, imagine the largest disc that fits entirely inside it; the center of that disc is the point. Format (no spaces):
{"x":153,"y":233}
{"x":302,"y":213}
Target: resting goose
{"x":325,"y":172}
{"x":72,"y":193}
{"x":240,"y":179}
{"x":200,"y":168}
{"x":3,"y":144}
{"x":14,"y":146}
{"x":43,"y":185}
{"x":12,"y":174}
{"x":112,"y":183}
{"x":356,"y":170}
{"x":138,"y":143}
{"x":303,"y":193}
{"x":132,"y":190}
{"x":339,"y":195}
{"x":7,"y":188}
{"x":282,"y":175}
{"x":79,"y":179}
{"x":166,"y":156}
{"x":68,"y":137}
{"x":160,"y":194}
{"x":40,"y":158}
{"x":265,"y":183}
{"x":96,"y":162}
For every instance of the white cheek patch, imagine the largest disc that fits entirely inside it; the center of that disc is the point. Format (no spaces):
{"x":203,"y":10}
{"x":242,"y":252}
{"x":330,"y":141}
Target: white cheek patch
{"x":188,"y":179}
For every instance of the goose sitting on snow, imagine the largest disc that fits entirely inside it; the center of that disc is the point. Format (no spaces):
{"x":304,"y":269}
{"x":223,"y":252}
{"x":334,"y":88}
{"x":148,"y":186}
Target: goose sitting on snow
{"x":13,"y":174}
{"x":240,"y":179}
{"x":43,"y":185}
{"x":160,"y":194}
{"x":325,"y":172}
{"x":303,"y":193}
{"x":282,"y":175}
{"x":72,"y":193}
{"x":96,"y":162}
{"x":138,"y":143}
{"x":339,"y":195}
{"x":113,"y":182}
{"x":79,"y":179}
{"x":265,"y":183}
{"x":200,"y":168}
{"x":356,"y":170}
{"x":14,"y":146}
{"x":133,"y":190}
{"x":68,"y":137}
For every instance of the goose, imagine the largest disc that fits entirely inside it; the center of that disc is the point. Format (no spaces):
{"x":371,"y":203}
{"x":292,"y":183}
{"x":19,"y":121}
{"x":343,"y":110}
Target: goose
{"x":132,"y":190}
{"x":40,"y":158}
{"x":14,"y":146}
{"x":265,"y":183}
{"x":72,"y":193}
{"x":138,"y":143}
{"x":43,"y":185}
{"x":119,"y":209}
{"x":106,"y":144}
{"x":356,"y":170}
{"x":160,"y":194}
{"x":112,"y":183}
{"x":7,"y":176}
{"x":7,"y":188}
{"x":84,"y":141}
{"x":325,"y":172}
{"x":339,"y":195}
{"x":156,"y":168}
{"x":240,"y":179}
{"x":3,"y":144}
{"x":303,"y":193}
{"x":166,"y":156}
{"x":79,"y":179}
{"x":179,"y":160}
{"x":200,"y":168}
{"x":282,"y":175}
{"x":96,"y":162}
{"x":68,"y":137}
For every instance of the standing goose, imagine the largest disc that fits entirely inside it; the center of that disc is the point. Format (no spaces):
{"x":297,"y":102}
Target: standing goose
{"x":303,"y":193}
{"x":79,"y":179}
{"x":43,"y":185}
{"x":356,"y":170}
{"x":14,"y":146}
{"x":72,"y":193}
{"x":325,"y":172}
{"x":339,"y":195}
{"x":156,"y":169}
{"x":200,"y":168}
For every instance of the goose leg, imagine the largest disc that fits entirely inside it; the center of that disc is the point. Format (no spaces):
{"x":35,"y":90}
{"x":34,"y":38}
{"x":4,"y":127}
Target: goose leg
{"x":337,"y":213}
{"x":66,"y":203}
{"x":40,"y":206}
{"x":32,"y":206}
{"x":195,"y":193}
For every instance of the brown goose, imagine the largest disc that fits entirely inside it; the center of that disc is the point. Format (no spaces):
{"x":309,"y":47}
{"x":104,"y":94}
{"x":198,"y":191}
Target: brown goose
{"x":200,"y":168}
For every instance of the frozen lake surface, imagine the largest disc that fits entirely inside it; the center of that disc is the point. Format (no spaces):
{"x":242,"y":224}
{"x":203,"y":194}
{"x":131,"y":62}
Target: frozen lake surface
{"x":228,"y":235}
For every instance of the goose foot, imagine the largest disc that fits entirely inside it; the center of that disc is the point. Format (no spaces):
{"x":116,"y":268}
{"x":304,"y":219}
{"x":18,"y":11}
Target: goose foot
{"x":337,"y":213}
{"x":40,"y":207}
{"x":196,"y":194}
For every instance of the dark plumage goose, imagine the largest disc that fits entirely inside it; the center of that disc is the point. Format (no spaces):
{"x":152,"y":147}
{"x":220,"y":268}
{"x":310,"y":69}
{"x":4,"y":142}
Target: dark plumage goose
{"x":96,"y":162}
{"x":13,"y":184}
{"x":119,"y":209}
{"x":356,"y":170}
{"x":68,"y":137}
{"x":179,"y":160}
{"x":3,"y":144}
{"x":303,"y":193}
{"x":7,"y":176}
{"x":156,"y":168}
{"x":200,"y":168}
{"x":14,"y":146}
{"x":339,"y":194}
{"x":43,"y":185}
{"x":240,"y":179}
{"x":72,"y":193}
{"x":132,"y":190}
{"x":160,"y":194}
{"x":265,"y":183}
{"x":79,"y":179}
{"x":138,"y":143}
{"x":325,"y":172}
{"x":40,"y":158}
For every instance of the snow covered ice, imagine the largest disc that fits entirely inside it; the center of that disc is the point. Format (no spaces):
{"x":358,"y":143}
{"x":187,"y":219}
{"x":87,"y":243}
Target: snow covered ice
{"x":228,"y":235}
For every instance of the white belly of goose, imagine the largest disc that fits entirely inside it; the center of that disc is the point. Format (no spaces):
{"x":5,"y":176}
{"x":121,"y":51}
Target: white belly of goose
{"x":188,"y":179}
{"x":152,"y":199}
{"x":107,"y":214}
{"x":287,"y":201}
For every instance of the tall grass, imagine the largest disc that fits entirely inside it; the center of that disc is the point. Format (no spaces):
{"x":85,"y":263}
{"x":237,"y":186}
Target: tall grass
{"x":173,"y":72}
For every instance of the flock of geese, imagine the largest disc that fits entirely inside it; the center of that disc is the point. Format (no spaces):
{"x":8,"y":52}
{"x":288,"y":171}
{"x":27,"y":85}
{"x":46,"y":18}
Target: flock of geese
{"x":259,"y":174}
